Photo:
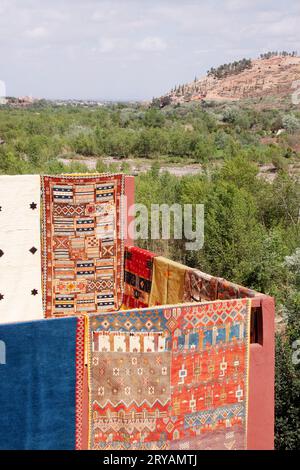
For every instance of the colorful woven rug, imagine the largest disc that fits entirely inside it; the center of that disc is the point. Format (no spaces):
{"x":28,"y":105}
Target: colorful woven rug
{"x":83,"y":247}
{"x":199,"y":286}
{"x":167,"y":282}
{"x":137,"y":277}
{"x":169,"y":378}
{"x":20,"y":250}
{"x":41,"y":380}
{"x":230,"y":290}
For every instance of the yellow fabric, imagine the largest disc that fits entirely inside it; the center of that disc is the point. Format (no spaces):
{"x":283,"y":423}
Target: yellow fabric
{"x":124,"y":307}
{"x":167,"y":282}
{"x":175,"y":282}
{"x":159,"y":287}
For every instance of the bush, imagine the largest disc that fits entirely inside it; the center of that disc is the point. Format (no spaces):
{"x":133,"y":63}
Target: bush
{"x":291,"y":123}
{"x":287,"y":399}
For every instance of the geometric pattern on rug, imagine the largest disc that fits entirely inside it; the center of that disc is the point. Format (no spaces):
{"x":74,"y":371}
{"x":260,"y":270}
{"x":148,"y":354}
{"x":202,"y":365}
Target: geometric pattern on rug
{"x":170,"y":378}
{"x":138,"y":277}
{"x":199,"y":286}
{"x":82,"y":244}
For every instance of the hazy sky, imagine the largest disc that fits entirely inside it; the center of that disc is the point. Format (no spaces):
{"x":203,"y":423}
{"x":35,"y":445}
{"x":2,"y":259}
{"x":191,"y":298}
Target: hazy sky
{"x":132,"y":49}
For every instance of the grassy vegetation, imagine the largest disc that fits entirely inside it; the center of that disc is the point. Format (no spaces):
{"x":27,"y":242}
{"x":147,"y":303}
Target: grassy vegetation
{"x":35,"y":138}
{"x":251,"y":225}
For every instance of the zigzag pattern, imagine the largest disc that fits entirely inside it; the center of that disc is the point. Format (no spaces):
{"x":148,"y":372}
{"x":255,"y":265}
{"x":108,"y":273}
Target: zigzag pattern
{"x":212,"y":416}
{"x":108,"y":425}
{"x":132,"y":405}
{"x":67,"y":210}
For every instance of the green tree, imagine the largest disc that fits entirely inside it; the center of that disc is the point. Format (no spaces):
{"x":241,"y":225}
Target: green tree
{"x":154,"y":118}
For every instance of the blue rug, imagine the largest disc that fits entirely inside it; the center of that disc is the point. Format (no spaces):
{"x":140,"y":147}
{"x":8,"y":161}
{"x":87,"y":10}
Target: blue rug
{"x":37,"y":385}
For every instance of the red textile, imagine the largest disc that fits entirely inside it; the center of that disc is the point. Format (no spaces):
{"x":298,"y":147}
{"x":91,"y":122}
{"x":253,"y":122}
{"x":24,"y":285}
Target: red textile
{"x":138,"y":277}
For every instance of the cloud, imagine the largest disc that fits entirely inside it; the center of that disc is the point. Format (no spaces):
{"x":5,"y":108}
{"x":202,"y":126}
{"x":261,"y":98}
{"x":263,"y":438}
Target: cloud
{"x":37,"y":33}
{"x":107,"y":45}
{"x":238,"y":5}
{"x":275,"y":25}
{"x":289,"y":25}
{"x":152,"y":44}
{"x":105,"y":13}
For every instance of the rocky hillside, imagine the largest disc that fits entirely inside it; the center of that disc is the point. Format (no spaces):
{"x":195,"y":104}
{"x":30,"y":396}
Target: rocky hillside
{"x":262,"y":77}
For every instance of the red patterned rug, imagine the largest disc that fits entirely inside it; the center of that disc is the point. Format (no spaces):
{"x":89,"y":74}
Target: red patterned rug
{"x":137,"y":277}
{"x":82,"y":246}
{"x":170,"y":378}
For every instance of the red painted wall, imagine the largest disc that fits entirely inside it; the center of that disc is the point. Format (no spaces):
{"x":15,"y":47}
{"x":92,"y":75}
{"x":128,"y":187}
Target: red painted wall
{"x":261,"y":381}
{"x":129,"y":193}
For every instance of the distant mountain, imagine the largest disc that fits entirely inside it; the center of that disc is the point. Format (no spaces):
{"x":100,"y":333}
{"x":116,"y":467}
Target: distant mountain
{"x":267,"y":76}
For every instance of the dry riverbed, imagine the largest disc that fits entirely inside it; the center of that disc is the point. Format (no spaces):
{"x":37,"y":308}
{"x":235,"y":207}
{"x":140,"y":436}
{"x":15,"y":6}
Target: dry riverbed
{"x":268,"y":172}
